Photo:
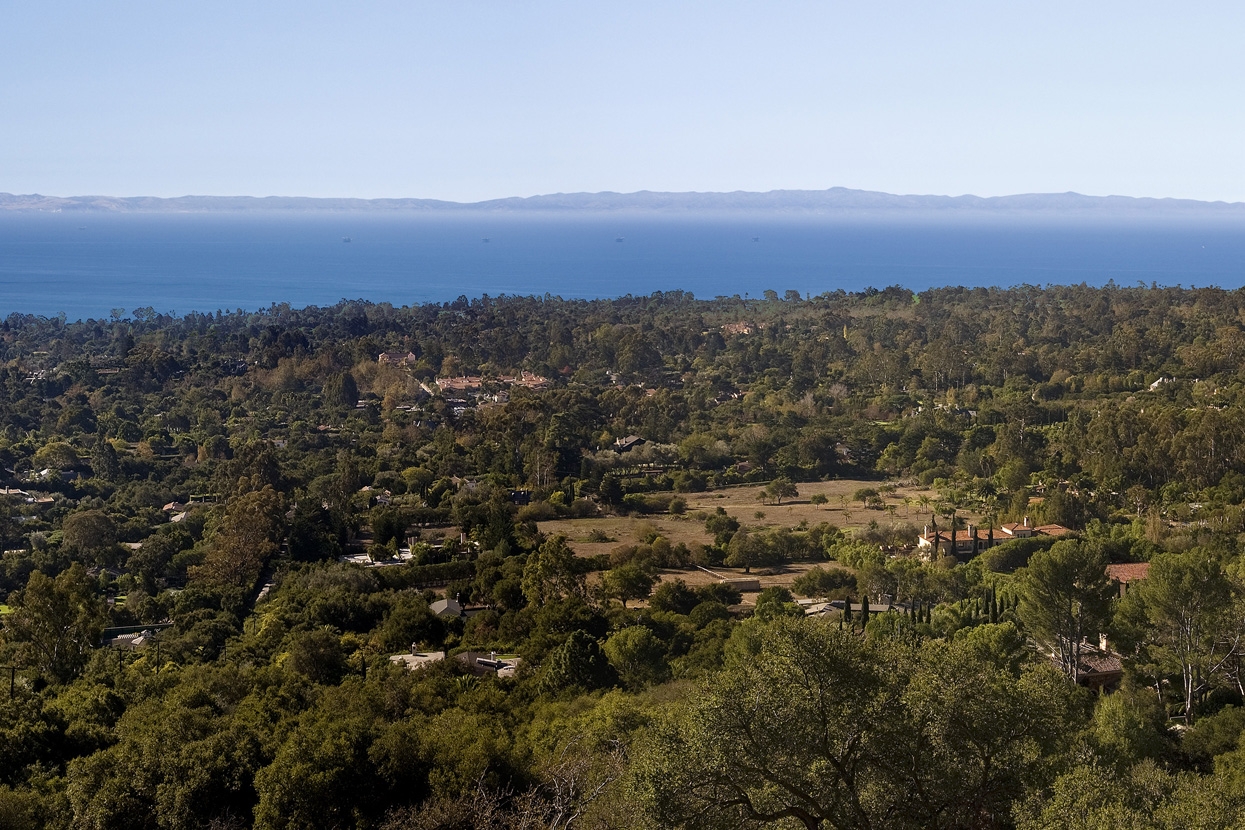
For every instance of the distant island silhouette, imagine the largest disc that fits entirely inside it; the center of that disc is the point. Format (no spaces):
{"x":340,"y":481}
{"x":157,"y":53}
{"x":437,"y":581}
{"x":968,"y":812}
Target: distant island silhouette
{"x":835,"y":200}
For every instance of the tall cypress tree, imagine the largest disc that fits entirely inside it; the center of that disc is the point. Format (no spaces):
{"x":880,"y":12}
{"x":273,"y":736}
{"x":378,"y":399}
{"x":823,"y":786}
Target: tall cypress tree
{"x":340,"y":390}
{"x":104,"y":462}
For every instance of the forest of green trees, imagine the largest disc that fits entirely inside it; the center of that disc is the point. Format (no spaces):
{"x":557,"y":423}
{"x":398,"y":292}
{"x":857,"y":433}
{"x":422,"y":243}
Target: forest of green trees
{"x":218,"y":485}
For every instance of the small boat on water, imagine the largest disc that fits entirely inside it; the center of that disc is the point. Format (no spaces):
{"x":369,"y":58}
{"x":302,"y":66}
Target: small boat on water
{"x":345,"y":239}
{"x":618,"y":239}
{"x":485,"y":239}
{"x":756,"y":239}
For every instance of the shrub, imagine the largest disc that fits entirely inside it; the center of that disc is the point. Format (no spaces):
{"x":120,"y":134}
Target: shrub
{"x":864,"y":494}
{"x":1014,"y":554}
{"x":413,"y":576}
{"x":689,"y":482}
{"x":822,"y":582}
{"x":719,"y":592}
{"x":675,"y":597}
{"x":708,"y":611}
{"x":648,"y":503}
{"x":583,"y":509}
{"x":541,"y":511}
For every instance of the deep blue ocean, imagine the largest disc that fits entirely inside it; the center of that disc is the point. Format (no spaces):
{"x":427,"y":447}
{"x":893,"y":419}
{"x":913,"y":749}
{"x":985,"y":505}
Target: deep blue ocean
{"x":85,"y":264}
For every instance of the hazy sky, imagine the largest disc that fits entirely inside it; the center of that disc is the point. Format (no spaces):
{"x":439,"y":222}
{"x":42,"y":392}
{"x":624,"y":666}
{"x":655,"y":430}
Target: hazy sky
{"x":472,"y":100}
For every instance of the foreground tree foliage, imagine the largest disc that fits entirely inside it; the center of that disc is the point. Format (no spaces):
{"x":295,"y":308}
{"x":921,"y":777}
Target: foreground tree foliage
{"x":828,"y":730}
{"x":1066,"y":600}
{"x":1182,"y":621}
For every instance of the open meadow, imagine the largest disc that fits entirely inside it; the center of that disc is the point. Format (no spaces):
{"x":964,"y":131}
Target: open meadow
{"x":900,"y":503}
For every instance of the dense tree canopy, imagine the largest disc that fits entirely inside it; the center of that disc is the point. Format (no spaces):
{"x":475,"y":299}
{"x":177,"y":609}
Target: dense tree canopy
{"x":217,"y":529}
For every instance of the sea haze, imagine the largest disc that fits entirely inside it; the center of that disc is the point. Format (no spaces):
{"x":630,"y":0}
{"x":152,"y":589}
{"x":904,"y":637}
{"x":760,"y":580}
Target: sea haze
{"x":86,"y":263}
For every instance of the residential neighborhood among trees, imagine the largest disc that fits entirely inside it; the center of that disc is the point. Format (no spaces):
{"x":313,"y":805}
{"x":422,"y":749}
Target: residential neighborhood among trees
{"x":957,"y":558}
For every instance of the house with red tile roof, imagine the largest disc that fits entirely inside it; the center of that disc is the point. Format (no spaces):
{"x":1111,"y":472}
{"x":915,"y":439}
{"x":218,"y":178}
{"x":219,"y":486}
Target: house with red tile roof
{"x":1124,"y":574}
{"x":965,"y":544}
{"x":397,"y":358}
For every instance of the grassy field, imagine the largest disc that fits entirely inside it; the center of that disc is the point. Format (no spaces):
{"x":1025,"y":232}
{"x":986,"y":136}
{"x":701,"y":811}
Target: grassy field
{"x":626,"y":530}
{"x":840,"y":510}
{"x":744,"y":503}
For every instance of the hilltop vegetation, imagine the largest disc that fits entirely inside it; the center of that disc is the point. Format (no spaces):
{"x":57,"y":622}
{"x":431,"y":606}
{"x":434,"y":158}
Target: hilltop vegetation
{"x":283,"y":500}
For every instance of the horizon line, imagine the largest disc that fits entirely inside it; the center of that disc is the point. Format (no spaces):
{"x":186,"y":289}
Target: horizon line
{"x":12,"y":200}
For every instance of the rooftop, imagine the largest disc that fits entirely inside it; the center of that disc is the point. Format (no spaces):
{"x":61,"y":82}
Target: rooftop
{"x":1126,"y":572}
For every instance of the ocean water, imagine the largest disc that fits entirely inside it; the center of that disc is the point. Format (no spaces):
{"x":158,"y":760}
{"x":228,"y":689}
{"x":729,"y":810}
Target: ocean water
{"x":86,"y":264}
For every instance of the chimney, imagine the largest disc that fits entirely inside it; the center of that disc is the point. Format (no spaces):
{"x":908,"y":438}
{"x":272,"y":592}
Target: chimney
{"x":1026,"y":521}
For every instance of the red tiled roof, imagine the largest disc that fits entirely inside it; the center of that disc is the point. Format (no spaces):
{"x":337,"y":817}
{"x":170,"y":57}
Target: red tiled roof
{"x":1052,"y":530}
{"x":1128,"y":571}
{"x":1097,"y":662}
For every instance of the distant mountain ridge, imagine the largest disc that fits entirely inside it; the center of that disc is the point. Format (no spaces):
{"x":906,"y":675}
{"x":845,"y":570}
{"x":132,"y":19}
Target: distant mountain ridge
{"x":835,"y":200}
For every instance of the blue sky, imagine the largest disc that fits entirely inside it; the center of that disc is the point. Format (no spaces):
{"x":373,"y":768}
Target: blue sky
{"x":472,"y":100}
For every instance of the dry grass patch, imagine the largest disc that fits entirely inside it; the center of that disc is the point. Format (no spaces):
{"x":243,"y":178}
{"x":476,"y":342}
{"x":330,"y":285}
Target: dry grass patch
{"x":624,"y":530}
{"x":744,"y":501}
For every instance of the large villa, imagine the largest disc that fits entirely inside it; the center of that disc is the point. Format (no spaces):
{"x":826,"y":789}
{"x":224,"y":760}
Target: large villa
{"x":964,"y":544}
